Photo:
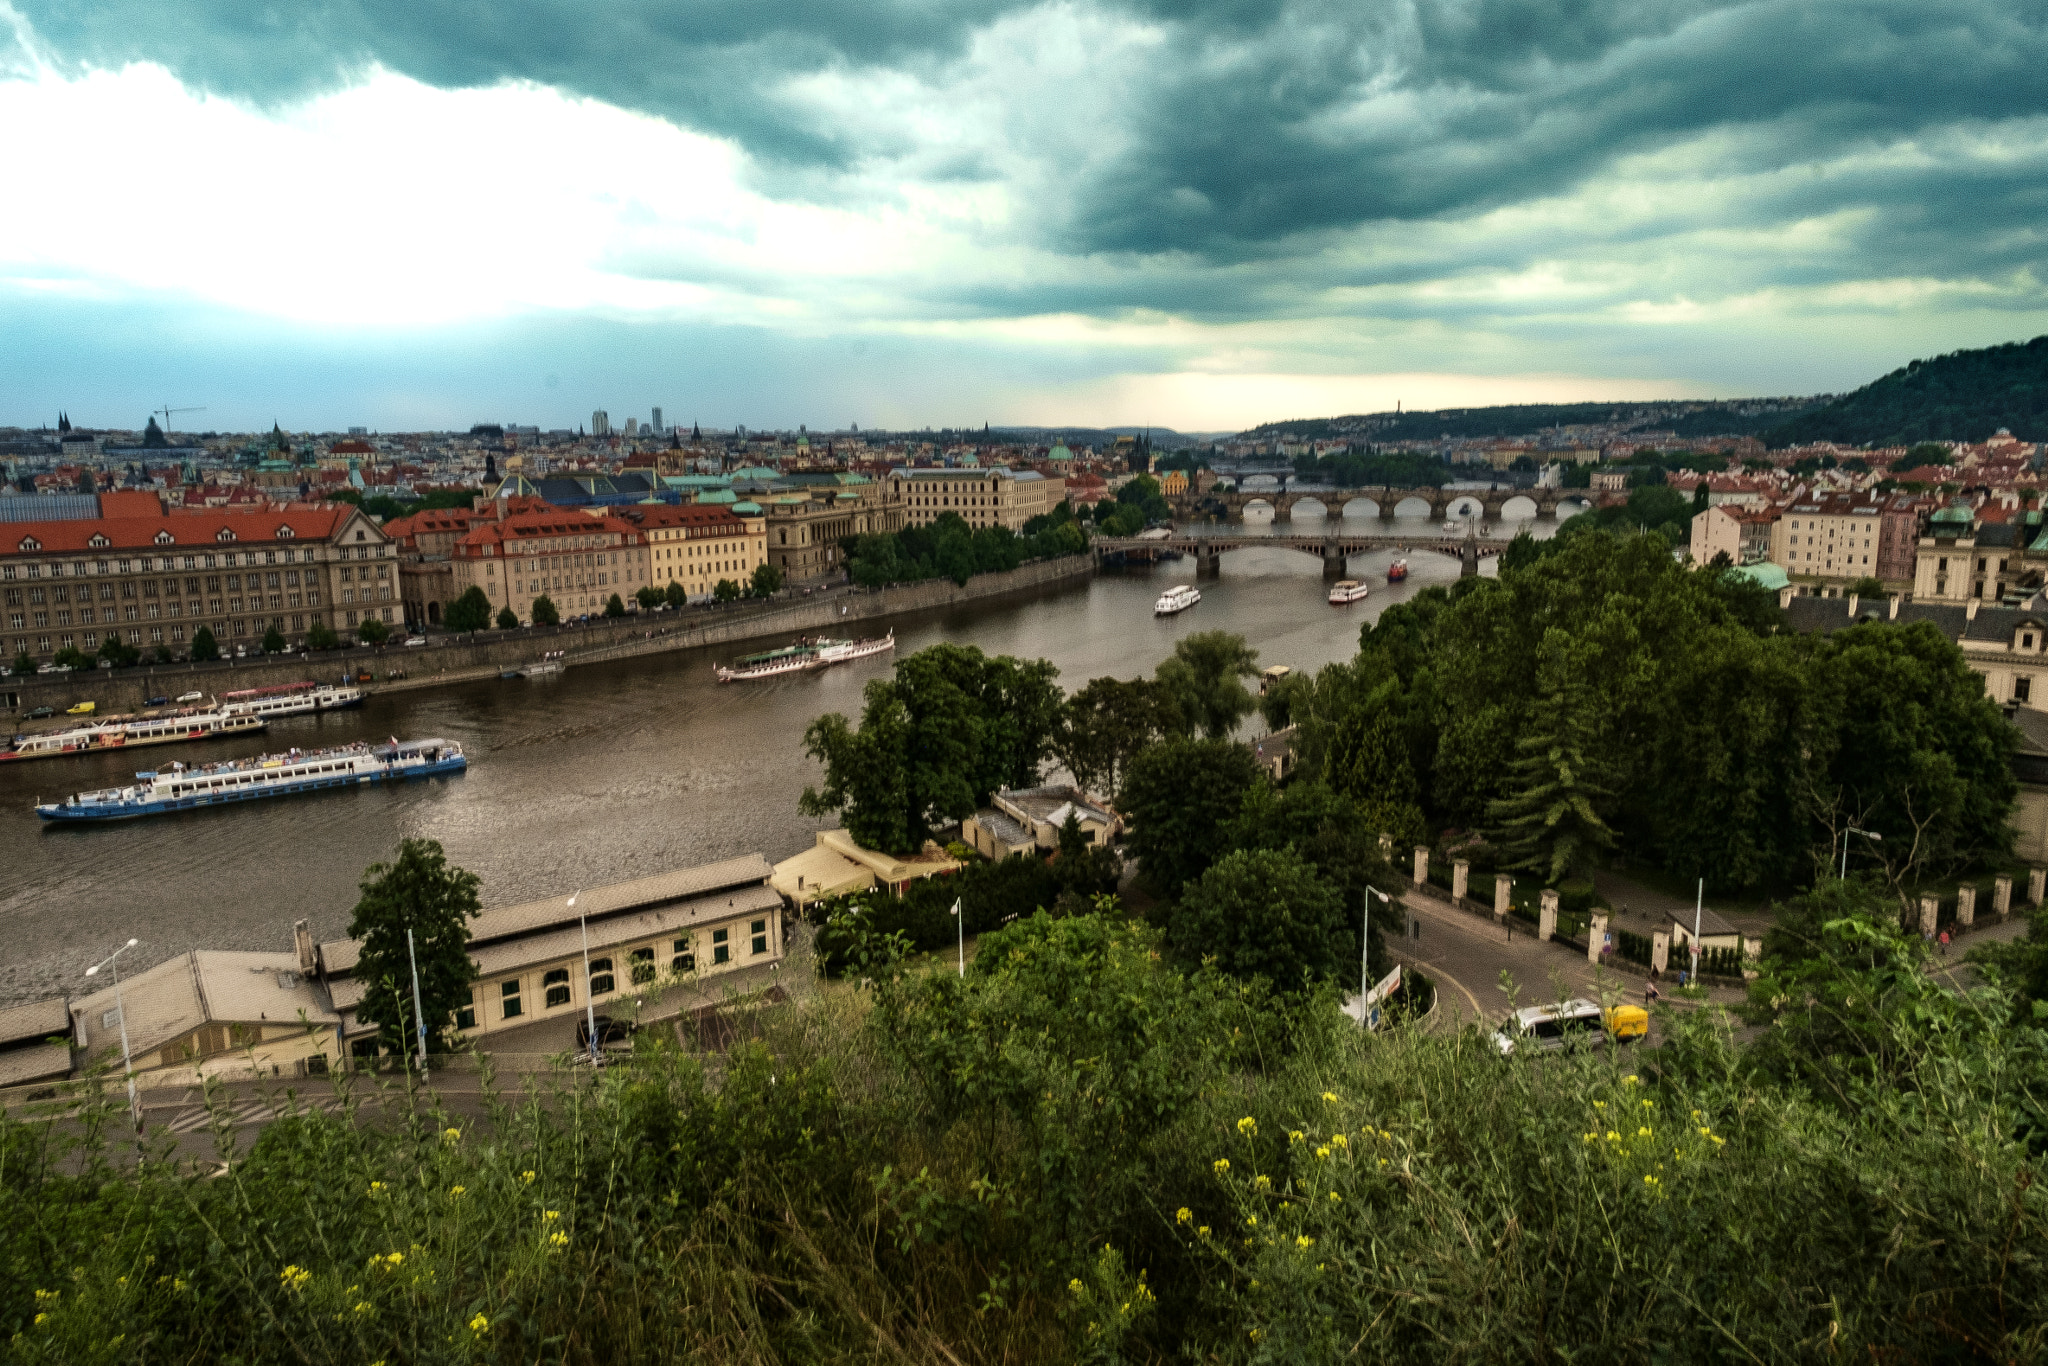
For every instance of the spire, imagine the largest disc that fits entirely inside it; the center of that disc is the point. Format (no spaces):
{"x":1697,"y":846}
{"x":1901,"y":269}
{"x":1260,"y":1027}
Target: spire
{"x":63,"y":422}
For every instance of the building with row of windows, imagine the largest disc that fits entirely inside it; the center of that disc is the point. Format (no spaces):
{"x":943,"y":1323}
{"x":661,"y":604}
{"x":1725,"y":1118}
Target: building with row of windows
{"x":980,"y":497}
{"x":154,"y":581}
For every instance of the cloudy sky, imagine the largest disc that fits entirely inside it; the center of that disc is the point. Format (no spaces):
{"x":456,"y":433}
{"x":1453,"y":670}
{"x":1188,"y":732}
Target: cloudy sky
{"x":1200,"y":214}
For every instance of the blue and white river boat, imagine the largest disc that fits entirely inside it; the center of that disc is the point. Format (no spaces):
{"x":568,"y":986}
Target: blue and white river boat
{"x":159,"y":792}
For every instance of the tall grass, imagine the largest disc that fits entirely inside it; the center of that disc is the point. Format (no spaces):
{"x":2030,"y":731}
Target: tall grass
{"x":1075,"y":1153}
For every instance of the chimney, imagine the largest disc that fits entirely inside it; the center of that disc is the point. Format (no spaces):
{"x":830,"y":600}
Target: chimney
{"x":1853,"y":600}
{"x":1970,"y":610}
{"x":302,"y":939}
{"x":1785,"y":596}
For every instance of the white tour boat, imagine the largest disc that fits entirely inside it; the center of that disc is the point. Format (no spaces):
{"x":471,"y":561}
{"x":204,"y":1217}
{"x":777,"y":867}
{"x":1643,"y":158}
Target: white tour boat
{"x":128,"y":732}
{"x":790,"y":659}
{"x":289,"y":699}
{"x":1178,"y":598}
{"x":179,"y":788}
{"x":846,"y":651}
{"x":1346,"y":591}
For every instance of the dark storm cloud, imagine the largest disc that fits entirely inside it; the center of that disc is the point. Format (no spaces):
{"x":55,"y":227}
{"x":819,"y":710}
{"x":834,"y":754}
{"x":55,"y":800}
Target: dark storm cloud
{"x":1251,"y":132}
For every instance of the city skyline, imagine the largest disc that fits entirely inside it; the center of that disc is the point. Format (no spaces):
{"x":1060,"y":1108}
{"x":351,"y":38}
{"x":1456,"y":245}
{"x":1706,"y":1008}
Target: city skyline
{"x":1102,"y":215}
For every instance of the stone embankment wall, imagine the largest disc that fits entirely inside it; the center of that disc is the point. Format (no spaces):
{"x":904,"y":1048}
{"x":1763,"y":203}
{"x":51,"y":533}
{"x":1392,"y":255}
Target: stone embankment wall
{"x":457,"y":659}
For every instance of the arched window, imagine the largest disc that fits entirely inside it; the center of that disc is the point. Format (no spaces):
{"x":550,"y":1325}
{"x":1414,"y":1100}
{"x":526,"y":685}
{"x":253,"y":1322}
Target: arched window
{"x":556,"y":984}
{"x":600,"y":976}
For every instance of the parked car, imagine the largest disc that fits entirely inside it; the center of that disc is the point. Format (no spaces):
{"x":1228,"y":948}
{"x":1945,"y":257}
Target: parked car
{"x":609,"y":1032}
{"x":190,"y":696}
{"x":1576,"y":1023}
{"x":42,"y":713}
{"x":156,"y":702}
{"x":415,"y":640}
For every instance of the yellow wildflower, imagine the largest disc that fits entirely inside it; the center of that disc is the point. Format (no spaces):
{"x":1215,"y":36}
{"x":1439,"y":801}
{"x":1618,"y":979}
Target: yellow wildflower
{"x":376,"y":1188}
{"x":1322,"y":1153}
{"x":479,"y":1324}
{"x":1222,"y":1165}
{"x":294,"y":1278}
{"x":457,"y":1191}
{"x":1294,"y":1135}
{"x":1336,"y":1199}
{"x":548,"y":1215}
{"x":45,"y":1295}
{"x":1304,"y":1242}
{"x":558,"y":1239}
{"x":1330,"y":1097}
{"x":1183,"y":1215}
{"x":1649,"y":1105}
{"x":362,"y":1306}
{"x":1340,"y":1141}
{"x":1643,"y":1132}
{"x":452,"y":1136}
{"x":1599,"y":1105}
{"x":41,"y":1317}
{"x":1252,"y":1221}
{"x":1263,"y":1182}
{"x":1631,"y":1081}
{"x":1202,"y":1232}
{"x":1248,"y":1127}
{"x":1075,"y":1286}
{"x":526,"y":1177}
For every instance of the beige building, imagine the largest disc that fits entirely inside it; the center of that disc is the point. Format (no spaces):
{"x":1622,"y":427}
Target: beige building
{"x":836,"y":866}
{"x":574,"y":560}
{"x":692,"y":923}
{"x":211,"y":1013}
{"x":156,"y":580}
{"x":1029,"y":820}
{"x":35,"y":1042}
{"x":1741,"y":533}
{"x":1959,"y":560}
{"x":981,"y":497}
{"x":697,"y":545}
{"x":1826,"y":542}
{"x":806,"y":533}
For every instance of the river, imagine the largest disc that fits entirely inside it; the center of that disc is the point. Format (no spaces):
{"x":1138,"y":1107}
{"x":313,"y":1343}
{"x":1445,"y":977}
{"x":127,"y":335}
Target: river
{"x":605,"y":773}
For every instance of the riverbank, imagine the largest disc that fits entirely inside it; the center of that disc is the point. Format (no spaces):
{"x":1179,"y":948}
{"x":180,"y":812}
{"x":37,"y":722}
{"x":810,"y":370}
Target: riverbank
{"x":450,"y":659}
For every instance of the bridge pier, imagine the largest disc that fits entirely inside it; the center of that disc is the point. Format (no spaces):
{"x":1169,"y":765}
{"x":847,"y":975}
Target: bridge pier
{"x":1208,"y":564}
{"x":1333,"y":560}
{"x":1468,"y":559}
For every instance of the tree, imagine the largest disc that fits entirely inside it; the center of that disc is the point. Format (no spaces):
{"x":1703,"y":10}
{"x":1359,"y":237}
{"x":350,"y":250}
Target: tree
{"x":1331,"y":834}
{"x":767,"y":581}
{"x":508,"y":620}
{"x":677,"y":596}
{"x":725,"y":590}
{"x":422,"y":893}
{"x":1204,"y":676}
{"x":470,"y":612}
{"x":71,"y":657}
{"x":371,"y":631}
{"x":615,"y":606}
{"x":1550,"y":823}
{"x":204,"y":646}
{"x":1700,"y":496}
{"x":163,"y":654}
{"x":1264,"y":913}
{"x":86,"y":482}
{"x":274,"y":642}
{"x":648,"y":598}
{"x":24,"y":663}
{"x":1867,"y":588}
{"x":935,"y":741}
{"x":1105,"y":725}
{"x":1276,"y":703}
{"x":320,"y":637}
{"x":1177,"y":798}
{"x":544,"y":613}
{"x":117,"y":651}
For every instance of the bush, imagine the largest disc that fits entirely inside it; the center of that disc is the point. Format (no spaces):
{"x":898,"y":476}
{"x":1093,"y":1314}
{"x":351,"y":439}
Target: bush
{"x":992,"y":893}
{"x":544,"y":613}
{"x":1633,"y":947}
{"x":1575,"y":896}
{"x":204,"y":646}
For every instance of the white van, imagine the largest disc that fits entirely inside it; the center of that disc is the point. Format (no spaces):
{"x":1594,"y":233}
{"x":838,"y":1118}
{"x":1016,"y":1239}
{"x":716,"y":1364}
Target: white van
{"x":1549,"y":1028}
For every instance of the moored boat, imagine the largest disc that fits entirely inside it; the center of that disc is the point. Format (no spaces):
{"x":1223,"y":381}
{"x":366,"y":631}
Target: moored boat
{"x":289,"y":699}
{"x":1178,"y":598}
{"x":178,"y":788}
{"x":129,"y":732}
{"x":1346,"y":591}
{"x":789,"y":659}
{"x":1397,"y":571}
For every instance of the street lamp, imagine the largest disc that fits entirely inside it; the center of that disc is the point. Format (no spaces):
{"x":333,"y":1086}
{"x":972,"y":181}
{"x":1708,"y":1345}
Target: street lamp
{"x":1365,"y":949}
{"x":127,"y":1066}
{"x":1852,"y":830}
{"x":589,"y":1004}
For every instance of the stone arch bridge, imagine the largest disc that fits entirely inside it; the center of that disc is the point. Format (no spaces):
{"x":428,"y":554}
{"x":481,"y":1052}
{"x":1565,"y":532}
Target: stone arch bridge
{"x":1229,"y":505}
{"x":1334,"y":550}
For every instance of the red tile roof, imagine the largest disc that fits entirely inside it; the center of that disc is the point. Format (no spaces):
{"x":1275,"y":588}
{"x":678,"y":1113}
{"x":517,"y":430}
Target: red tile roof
{"x":187,"y":529}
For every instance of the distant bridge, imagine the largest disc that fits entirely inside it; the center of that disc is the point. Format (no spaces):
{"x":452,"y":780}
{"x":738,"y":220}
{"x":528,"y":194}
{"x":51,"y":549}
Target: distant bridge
{"x":1333,"y":549}
{"x":1222,"y":504}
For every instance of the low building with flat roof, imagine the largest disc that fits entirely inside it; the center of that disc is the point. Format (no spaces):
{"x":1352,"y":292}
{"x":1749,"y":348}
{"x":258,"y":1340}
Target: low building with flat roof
{"x":211,"y":1013}
{"x":35,"y":1042}
{"x":697,"y":922}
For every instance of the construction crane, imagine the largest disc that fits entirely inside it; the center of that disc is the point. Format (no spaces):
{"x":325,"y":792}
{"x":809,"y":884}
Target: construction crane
{"x":167,"y":410}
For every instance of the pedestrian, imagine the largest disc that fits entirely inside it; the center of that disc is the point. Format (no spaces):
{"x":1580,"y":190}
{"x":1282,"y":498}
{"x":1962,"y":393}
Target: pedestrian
{"x":1944,"y":943}
{"x":1649,"y":994}
{"x":1509,"y":921}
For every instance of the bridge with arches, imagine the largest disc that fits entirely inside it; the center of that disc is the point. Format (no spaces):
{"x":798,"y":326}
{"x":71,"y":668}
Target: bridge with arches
{"x":1220,"y":504}
{"x":1333,"y":549}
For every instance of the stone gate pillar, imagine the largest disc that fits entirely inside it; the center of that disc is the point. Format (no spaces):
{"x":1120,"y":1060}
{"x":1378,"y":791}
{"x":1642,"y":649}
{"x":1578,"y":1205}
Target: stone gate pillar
{"x":1966,"y":906}
{"x":1930,"y":914}
{"x":1503,"y":891}
{"x":1461,"y":877}
{"x":2001,"y":897}
{"x":1421,"y":864}
{"x":2037,"y":885}
{"x":1546,"y":924}
{"x":1596,"y":936}
{"x":1386,"y":846}
{"x":1660,"y":951}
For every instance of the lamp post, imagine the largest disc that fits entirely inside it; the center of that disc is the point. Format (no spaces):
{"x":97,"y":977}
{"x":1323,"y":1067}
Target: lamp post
{"x":962,"y":927}
{"x":589,"y":1004}
{"x":127,"y":1065}
{"x":1365,"y":950}
{"x":419,"y":1015}
{"x":1852,"y":830}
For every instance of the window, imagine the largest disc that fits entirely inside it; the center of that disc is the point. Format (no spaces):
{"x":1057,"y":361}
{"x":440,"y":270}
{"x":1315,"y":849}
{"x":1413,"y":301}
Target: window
{"x":640,"y":964}
{"x":2027,"y":641}
{"x":600,"y":976}
{"x":2023,"y":689}
{"x":721,"y":951}
{"x":556,"y":985}
{"x":508,"y":1000}
{"x":465,"y":1016}
{"x":759,"y":931}
{"x":684,"y":961}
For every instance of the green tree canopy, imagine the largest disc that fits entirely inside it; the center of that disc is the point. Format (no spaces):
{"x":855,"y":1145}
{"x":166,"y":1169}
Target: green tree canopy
{"x":371,"y":631}
{"x":727,"y":590}
{"x":422,"y":893}
{"x":470,"y":612}
{"x":508,"y":620}
{"x":935,"y":741}
{"x":1178,"y":798}
{"x":1549,"y":823}
{"x":1265,"y":913}
{"x":767,"y":581}
{"x":204,"y":646}
{"x":1205,"y":678}
{"x":320,"y":636}
{"x":273,"y":642}
{"x":676,"y":594}
{"x":1105,"y":725}
{"x":544,"y":613}
{"x":615,"y":606}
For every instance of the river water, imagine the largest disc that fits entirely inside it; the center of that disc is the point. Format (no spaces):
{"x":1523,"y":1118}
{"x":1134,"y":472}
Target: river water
{"x":607,"y":772}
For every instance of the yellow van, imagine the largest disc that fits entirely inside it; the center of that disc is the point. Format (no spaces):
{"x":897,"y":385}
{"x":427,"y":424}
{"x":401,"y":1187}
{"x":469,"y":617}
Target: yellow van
{"x":82,"y":709}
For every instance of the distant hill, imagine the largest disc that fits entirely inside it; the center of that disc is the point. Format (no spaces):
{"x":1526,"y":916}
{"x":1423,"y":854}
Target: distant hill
{"x":1963,"y":396}
{"x":1686,"y":417}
